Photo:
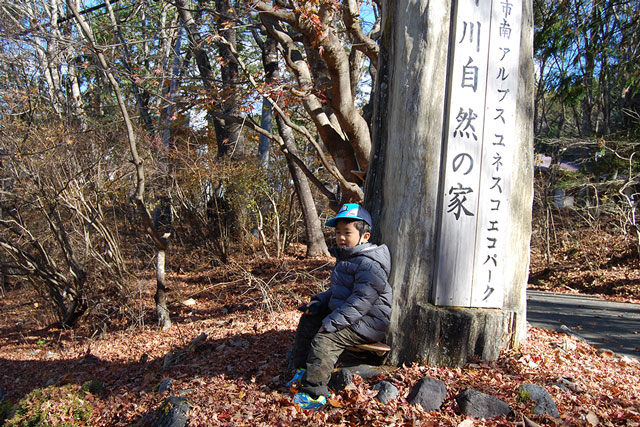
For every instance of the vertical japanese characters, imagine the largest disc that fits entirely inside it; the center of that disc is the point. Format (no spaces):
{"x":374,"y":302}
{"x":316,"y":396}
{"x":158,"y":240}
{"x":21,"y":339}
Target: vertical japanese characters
{"x":479,"y":148}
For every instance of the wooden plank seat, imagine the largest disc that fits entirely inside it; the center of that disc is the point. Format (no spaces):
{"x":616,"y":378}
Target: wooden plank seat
{"x":378,"y":348}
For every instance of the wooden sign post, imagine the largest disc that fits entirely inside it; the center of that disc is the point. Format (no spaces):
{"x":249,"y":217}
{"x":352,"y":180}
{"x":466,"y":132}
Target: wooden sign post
{"x":479,"y":145}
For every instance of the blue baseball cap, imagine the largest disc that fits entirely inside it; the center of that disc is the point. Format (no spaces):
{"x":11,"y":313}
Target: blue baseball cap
{"x":351,"y":211}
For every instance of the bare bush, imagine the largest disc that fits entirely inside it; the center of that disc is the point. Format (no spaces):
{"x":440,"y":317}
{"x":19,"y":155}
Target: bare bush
{"x":596,"y":180}
{"x":54,"y":232}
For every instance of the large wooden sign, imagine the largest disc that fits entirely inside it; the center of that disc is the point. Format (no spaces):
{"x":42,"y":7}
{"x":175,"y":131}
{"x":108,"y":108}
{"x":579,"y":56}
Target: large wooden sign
{"x":478,"y":148}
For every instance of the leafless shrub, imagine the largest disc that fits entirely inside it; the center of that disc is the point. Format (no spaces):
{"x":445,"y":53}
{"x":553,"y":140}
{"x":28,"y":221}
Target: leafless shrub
{"x":53,"y":229}
{"x":605,"y":184}
{"x":252,"y":283}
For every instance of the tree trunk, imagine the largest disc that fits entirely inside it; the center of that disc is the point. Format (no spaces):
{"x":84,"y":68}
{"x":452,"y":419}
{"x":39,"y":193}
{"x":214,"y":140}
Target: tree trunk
{"x":266,"y":120}
{"x":229,"y":135}
{"x":138,"y":197}
{"x":316,"y":244}
{"x":143,"y":108}
{"x":406,"y":192}
{"x":164,"y":321}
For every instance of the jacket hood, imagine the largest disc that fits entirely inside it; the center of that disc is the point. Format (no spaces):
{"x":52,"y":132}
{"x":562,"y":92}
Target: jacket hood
{"x":379,"y":254}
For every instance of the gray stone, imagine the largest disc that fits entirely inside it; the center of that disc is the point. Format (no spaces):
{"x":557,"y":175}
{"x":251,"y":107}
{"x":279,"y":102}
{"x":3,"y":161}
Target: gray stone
{"x":344,"y":376}
{"x":339,"y":380}
{"x":482,"y":405}
{"x":365,"y":371}
{"x":386,"y":391}
{"x":428,"y":393}
{"x":543,"y":400}
{"x":565,"y":330}
{"x":172,"y":413}
{"x":164,"y":385}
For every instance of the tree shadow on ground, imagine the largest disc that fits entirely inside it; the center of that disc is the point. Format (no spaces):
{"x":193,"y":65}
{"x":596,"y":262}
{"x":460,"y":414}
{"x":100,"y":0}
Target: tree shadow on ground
{"x":255,"y":359}
{"x":252,"y":357}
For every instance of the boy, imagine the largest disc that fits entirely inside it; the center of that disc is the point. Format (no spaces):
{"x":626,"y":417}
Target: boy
{"x":355,"y":310}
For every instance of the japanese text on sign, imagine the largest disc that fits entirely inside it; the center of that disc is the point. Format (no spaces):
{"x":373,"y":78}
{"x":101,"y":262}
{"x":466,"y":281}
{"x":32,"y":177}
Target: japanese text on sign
{"x":479,"y":147}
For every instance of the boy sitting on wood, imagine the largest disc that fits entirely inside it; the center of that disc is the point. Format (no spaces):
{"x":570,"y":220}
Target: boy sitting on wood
{"x":355,"y":310}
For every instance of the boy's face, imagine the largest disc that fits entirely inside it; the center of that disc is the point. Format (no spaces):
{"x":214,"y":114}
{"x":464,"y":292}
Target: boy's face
{"x":348,"y":236}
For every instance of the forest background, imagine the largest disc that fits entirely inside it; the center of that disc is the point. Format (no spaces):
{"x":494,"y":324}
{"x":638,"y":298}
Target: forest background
{"x":171,"y":162}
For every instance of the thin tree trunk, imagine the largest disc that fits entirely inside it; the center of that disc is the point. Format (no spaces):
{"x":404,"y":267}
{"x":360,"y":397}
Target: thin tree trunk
{"x":266,"y":123}
{"x":159,"y":241}
{"x":316,"y":245}
{"x":124,"y":50}
{"x":164,"y":321}
{"x":229,"y":135}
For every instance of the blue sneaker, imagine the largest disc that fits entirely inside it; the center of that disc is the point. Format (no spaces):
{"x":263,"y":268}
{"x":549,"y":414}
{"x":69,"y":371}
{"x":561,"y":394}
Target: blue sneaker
{"x":297,"y":378}
{"x":305,"y":401}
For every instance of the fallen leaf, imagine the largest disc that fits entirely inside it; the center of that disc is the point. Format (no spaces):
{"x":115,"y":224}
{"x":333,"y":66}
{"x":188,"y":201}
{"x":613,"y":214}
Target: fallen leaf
{"x":466,"y":423}
{"x":592,"y":418}
{"x":66,"y":379}
{"x":606,"y":353}
{"x":335,"y":403}
{"x":526,"y":422}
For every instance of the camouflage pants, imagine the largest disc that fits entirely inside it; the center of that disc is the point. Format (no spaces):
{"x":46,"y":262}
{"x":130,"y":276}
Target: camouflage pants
{"x":319,"y":352}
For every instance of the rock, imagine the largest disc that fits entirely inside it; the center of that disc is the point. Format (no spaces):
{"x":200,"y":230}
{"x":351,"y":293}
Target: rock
{"x":168,"y":360}
{"x":164,"y":385}
{"x":482,"y":405}
{"x":365,"y":371}
{"x":344,"y":376}
{"x":197,"y":340}
{"x":90,"y":358}
{"x":569,"y":384}
{"x":172,"y":413}
{"x":386,"y":391}
{"x":565,"y":330}
{"x":543,"y":400}
{"x":93,"y":386}
{"x":428,"y":393}
{"x":339,"y":380}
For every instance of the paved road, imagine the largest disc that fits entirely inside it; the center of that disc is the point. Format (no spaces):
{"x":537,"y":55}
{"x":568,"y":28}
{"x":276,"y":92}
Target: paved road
{"x":604,"y":324}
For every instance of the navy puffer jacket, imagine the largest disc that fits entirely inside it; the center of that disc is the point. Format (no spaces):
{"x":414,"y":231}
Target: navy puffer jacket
{"x":360,"y":294}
